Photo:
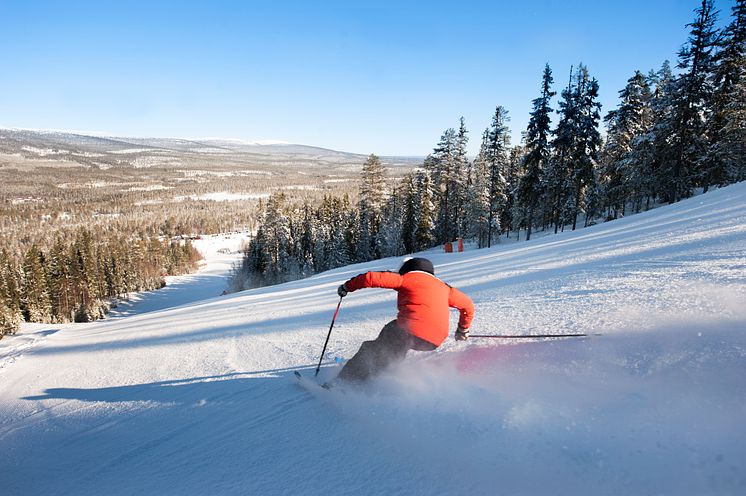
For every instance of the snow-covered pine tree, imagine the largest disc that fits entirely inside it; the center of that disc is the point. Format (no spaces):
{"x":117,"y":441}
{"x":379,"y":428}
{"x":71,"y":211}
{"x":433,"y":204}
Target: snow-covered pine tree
{"x":372,"y":197}
{"x":460,"y":180}
{"x":447,"y":166}
{"x":536,"y":141}
{"x":349,"y":219}
{"x":511,"y":214}
{"x":726,"y":157}
{"x":479,"y":194}
{"x":442,"y":165}
{"x":272,"y":241}
{"x":35,"y":303}
{"x":88,"y":280}
{"x":389,"y":240}
{"x":60,"y":283}
{"x":557,"y":174}
{"x":652,"y":150}
{"x":410,"y":212}
{"x":364,"y":249}
{"x":10,"y":319}
{"x":425,"y":232}
{"x":323,"y":234}
{"x":584,"y":152}
{"x":498,"y":160}
{"x":692,"y":108}
{"x":337,"y":235}
{"x":307,"y":241}
{"x":622,"y":177}
{"x":10,"y":299}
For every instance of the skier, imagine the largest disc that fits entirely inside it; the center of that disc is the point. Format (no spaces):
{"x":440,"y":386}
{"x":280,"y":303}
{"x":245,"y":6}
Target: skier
{"x":422,"y":321}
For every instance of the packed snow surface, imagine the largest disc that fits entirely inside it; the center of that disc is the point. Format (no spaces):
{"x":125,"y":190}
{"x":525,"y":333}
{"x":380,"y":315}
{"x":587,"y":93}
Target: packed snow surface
{"x":200,"y":398}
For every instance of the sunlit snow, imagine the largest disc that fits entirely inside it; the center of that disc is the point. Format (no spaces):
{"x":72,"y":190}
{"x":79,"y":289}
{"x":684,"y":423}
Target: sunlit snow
{"x":200,"y":398}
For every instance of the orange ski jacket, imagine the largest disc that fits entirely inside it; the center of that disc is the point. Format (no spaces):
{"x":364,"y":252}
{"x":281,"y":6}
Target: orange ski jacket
{"x":423,"y":302}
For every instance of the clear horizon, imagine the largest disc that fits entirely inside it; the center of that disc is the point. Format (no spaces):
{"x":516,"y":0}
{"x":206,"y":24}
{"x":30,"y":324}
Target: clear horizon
{"x":372,"y":77}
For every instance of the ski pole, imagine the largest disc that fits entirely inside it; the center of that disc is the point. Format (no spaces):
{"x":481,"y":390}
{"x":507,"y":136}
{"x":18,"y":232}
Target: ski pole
{"x":526,"y":336}
{"x":328,"y":335}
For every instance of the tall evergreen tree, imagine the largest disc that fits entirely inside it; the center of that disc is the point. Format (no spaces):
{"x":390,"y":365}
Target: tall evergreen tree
{"x":307,"y":241}
{"x":60,"y":284}
{"x":425,"y":232}
{"x":87,"y":278}
{"x":443,"y":165}
{"x":497,"y":158}
{"x":512,"y":216}
{"x":10,"y":299}
{"x":479,"y":197}
{"x":531,"y":186}
{"x":726,"y":157}
{"x":460,"y":180}
{"x":372,"y":194}
{"x":653,"y":150}
{"x":557,"y":175}
{"x":273,"y":239}
{"x":35,"y":297}
{"x":390,"y":239}
{"x":692,"y":97}
{"x":622,"y":175}
{"x":584,"y":153}
{"x":410,"y":211}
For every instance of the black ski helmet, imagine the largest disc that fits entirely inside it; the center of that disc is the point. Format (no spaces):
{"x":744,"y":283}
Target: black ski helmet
{"x":421,"y":264}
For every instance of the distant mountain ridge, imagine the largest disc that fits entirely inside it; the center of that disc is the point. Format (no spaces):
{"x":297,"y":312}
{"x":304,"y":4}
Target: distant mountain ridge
{"x":55,"y":143}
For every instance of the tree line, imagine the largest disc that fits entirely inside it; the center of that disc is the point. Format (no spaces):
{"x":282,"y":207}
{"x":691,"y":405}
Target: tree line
{"x":76,"y":279}
{"x":671,"y":134}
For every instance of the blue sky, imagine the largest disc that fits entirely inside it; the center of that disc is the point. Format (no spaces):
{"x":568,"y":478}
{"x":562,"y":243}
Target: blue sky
{"x":381,"y":77}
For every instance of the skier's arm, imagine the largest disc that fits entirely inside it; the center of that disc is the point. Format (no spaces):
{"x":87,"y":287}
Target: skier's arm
{"x":457,"y":299}
{"x":390,"y":280}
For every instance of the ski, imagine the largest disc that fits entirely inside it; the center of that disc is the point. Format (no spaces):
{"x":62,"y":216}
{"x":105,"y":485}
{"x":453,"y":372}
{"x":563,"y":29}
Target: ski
{"x":308,"y":383}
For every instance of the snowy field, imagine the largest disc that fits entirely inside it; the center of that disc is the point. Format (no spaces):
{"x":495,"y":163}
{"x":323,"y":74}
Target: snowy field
{"x":200,"y":398}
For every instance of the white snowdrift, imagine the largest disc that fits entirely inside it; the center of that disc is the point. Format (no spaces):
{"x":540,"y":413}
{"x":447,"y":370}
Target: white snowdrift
{"x":200,"y":399}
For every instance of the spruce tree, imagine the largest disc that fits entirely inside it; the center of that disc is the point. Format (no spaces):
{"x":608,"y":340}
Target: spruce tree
{"x":10,"y":299}
{"x":585,"y":149}
{"x":460,"y":180}
{"x":60,"y":287}
{"x":536,"y":139}
{"x":307,"y":240}
{"x":410,"y":212}
{"x":692,"y":108}
{"x":372,"y":195}
{"x":726,"y":157}
{"x":497,"y":157}
{"x":653,"y":150}
{"x":389,"y":239}
{"x":513,"y":216}
{"x":479,"y":199}
{"x":35,"y":303}
{"x":443,"y":165}
{"x":557,"y":175}
{"x":622,"y":175}
{"x":425,"y":232}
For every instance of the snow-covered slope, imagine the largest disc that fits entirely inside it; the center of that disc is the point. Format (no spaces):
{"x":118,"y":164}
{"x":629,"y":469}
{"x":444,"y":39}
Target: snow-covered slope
{"x":200,"y":399}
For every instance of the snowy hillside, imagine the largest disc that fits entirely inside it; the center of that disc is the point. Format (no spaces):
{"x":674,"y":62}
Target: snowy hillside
{"x":200,"y":398}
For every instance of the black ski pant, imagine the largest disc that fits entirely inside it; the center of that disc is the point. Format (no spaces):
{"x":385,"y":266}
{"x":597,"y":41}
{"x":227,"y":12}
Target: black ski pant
{"x":389,"y":348}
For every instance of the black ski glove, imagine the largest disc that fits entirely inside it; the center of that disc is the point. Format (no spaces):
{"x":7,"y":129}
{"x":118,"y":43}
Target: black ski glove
{"x":461,"y":334}
{"x":342,"y":291}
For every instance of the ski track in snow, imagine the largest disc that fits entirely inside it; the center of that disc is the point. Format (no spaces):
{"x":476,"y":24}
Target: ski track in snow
{"x":189,"y":392}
